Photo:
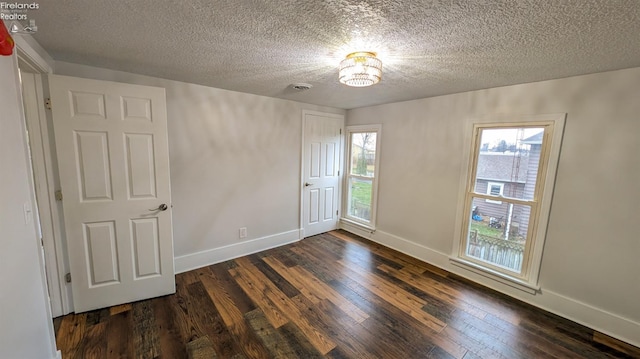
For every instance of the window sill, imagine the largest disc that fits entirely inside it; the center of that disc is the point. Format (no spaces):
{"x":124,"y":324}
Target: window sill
{"x":357,"y":224}
{"x":495,"y":275}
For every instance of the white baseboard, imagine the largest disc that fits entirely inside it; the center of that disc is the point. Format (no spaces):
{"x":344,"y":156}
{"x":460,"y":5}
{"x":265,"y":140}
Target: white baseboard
{"x":212,"y":256}
{"x":572,"y":309}
{"x":58,"y":355}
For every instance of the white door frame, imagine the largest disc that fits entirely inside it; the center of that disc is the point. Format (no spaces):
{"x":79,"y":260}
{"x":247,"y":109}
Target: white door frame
{"x":34,"y":60}
{"x":302,"y":167}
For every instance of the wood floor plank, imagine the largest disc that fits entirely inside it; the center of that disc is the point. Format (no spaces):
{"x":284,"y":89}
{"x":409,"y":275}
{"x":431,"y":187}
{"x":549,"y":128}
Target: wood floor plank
{"x":71,"y":333}
{"x":407,"y":332}
{"x":257,"y":291}
{"x":171,"y":344}
{"x":274,"y":277}
{"x":286,"y":273}
{"x":558,"y":343}
{"x":201,"y":348}
{"x":389,"y":322}
{"x":208,"y":321}
{"x":94,"y":345}
{"x":340,"y":329}
{"x":298,"y":342}
{"x":398,"y":258}
{"x":217,"y":278}
{"x":616,"y":344}
{"x":422,"y":284}
{"x":395,"y":296}
{"x":314,"y":289}
{"x":119,"y":343}
{"x":120,"y":308}
{"x":187,"y":278}
{"x":56,"y":324}
{"x":145,"y":335}
{"x":227,"y":308}
{"x":180,"y":302}
{"x":321,"y":289}
{"x":474,"y":347}
{"x":333,"y":295}
{"x":319,"y":270}
{"x":273,"y":340}
{"x":253,"y":277}
{"x":97,"y":316}
{"x":451,"y":288}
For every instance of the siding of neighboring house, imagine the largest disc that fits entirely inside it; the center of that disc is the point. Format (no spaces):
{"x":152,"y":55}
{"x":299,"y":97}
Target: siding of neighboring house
{"x":530,"y":184}
{"x":511,"y":170}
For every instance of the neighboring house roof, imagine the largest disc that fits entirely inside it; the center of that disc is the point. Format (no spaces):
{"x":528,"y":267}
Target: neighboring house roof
{"x":500,"y":167}
{"x":535,"y":139}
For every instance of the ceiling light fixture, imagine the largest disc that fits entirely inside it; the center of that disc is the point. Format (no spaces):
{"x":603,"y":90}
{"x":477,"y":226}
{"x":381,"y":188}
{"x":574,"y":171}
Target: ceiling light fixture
{"x":360,"y":69}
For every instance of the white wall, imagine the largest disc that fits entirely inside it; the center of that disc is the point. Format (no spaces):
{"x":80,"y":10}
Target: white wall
{"x":235,"y":162}
{"x":591,"y":259}
{"x":26,"y":330}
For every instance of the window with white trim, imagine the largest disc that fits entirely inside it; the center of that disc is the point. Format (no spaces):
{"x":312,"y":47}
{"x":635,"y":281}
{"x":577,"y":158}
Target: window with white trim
{"x":503,"y":224}
{"x":363,"y":144}
{"x":495,"y":189}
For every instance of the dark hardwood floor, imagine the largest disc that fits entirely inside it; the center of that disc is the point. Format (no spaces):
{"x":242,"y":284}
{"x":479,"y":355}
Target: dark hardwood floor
{"x":335,"y":296}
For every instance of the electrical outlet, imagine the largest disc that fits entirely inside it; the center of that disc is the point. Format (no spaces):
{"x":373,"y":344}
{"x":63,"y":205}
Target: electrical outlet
{"x":243,"y":232}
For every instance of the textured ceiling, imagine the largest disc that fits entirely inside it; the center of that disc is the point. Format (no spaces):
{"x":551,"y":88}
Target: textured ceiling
{"x":428,"y":48}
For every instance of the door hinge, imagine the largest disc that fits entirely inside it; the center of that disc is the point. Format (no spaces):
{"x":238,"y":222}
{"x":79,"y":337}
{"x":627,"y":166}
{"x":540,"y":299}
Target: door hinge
{"x":67,"y":277}
{"x":340,"y":131}
{"x":336,"y":213}
{"x":338,"y":173}
{"x":58,"y":195}
{"x":47,"y":103}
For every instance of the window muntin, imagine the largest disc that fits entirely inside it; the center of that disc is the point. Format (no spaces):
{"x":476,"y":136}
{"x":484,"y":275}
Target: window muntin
{"x":361,"y":179}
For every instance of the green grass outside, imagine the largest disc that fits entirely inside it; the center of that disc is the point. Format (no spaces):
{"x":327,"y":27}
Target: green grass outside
{"x":361,"y":192}
{"x":485,"y":230}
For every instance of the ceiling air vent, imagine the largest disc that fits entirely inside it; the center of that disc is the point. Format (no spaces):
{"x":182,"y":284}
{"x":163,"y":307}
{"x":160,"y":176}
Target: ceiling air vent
{"x":301,"y":86}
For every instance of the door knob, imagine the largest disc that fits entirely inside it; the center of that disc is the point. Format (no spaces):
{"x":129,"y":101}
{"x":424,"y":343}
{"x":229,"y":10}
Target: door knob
{"x":162,"y":207}
{"x":307,"y":184}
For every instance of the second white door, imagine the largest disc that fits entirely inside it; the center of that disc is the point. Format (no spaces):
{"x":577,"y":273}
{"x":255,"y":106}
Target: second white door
{"x":322,"y":148}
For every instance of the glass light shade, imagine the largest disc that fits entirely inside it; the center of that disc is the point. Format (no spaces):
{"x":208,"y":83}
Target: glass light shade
{"x":360,"y":69}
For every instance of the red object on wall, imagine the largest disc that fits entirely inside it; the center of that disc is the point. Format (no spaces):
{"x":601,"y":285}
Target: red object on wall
{"x":6,"y":42}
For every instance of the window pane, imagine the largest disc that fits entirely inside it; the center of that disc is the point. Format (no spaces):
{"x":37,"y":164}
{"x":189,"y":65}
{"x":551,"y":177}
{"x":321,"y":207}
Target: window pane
{"x":498,"y":236}
{"x":360,"y":198}
{"x":363,"y":153}
{"x":509,"y":156}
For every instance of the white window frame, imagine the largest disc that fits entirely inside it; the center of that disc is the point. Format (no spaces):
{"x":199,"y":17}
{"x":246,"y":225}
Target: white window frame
{"x":527,"y":279}
{"x":489,"y":185}
{"x":374,"y":180}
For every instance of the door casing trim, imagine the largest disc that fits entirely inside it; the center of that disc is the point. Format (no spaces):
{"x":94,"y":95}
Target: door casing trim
{"x":40,"y":63}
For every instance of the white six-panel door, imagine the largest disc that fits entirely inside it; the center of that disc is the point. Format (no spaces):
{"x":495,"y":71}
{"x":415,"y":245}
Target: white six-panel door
{"x":321,"y":178}
{"x":112,"y":150}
